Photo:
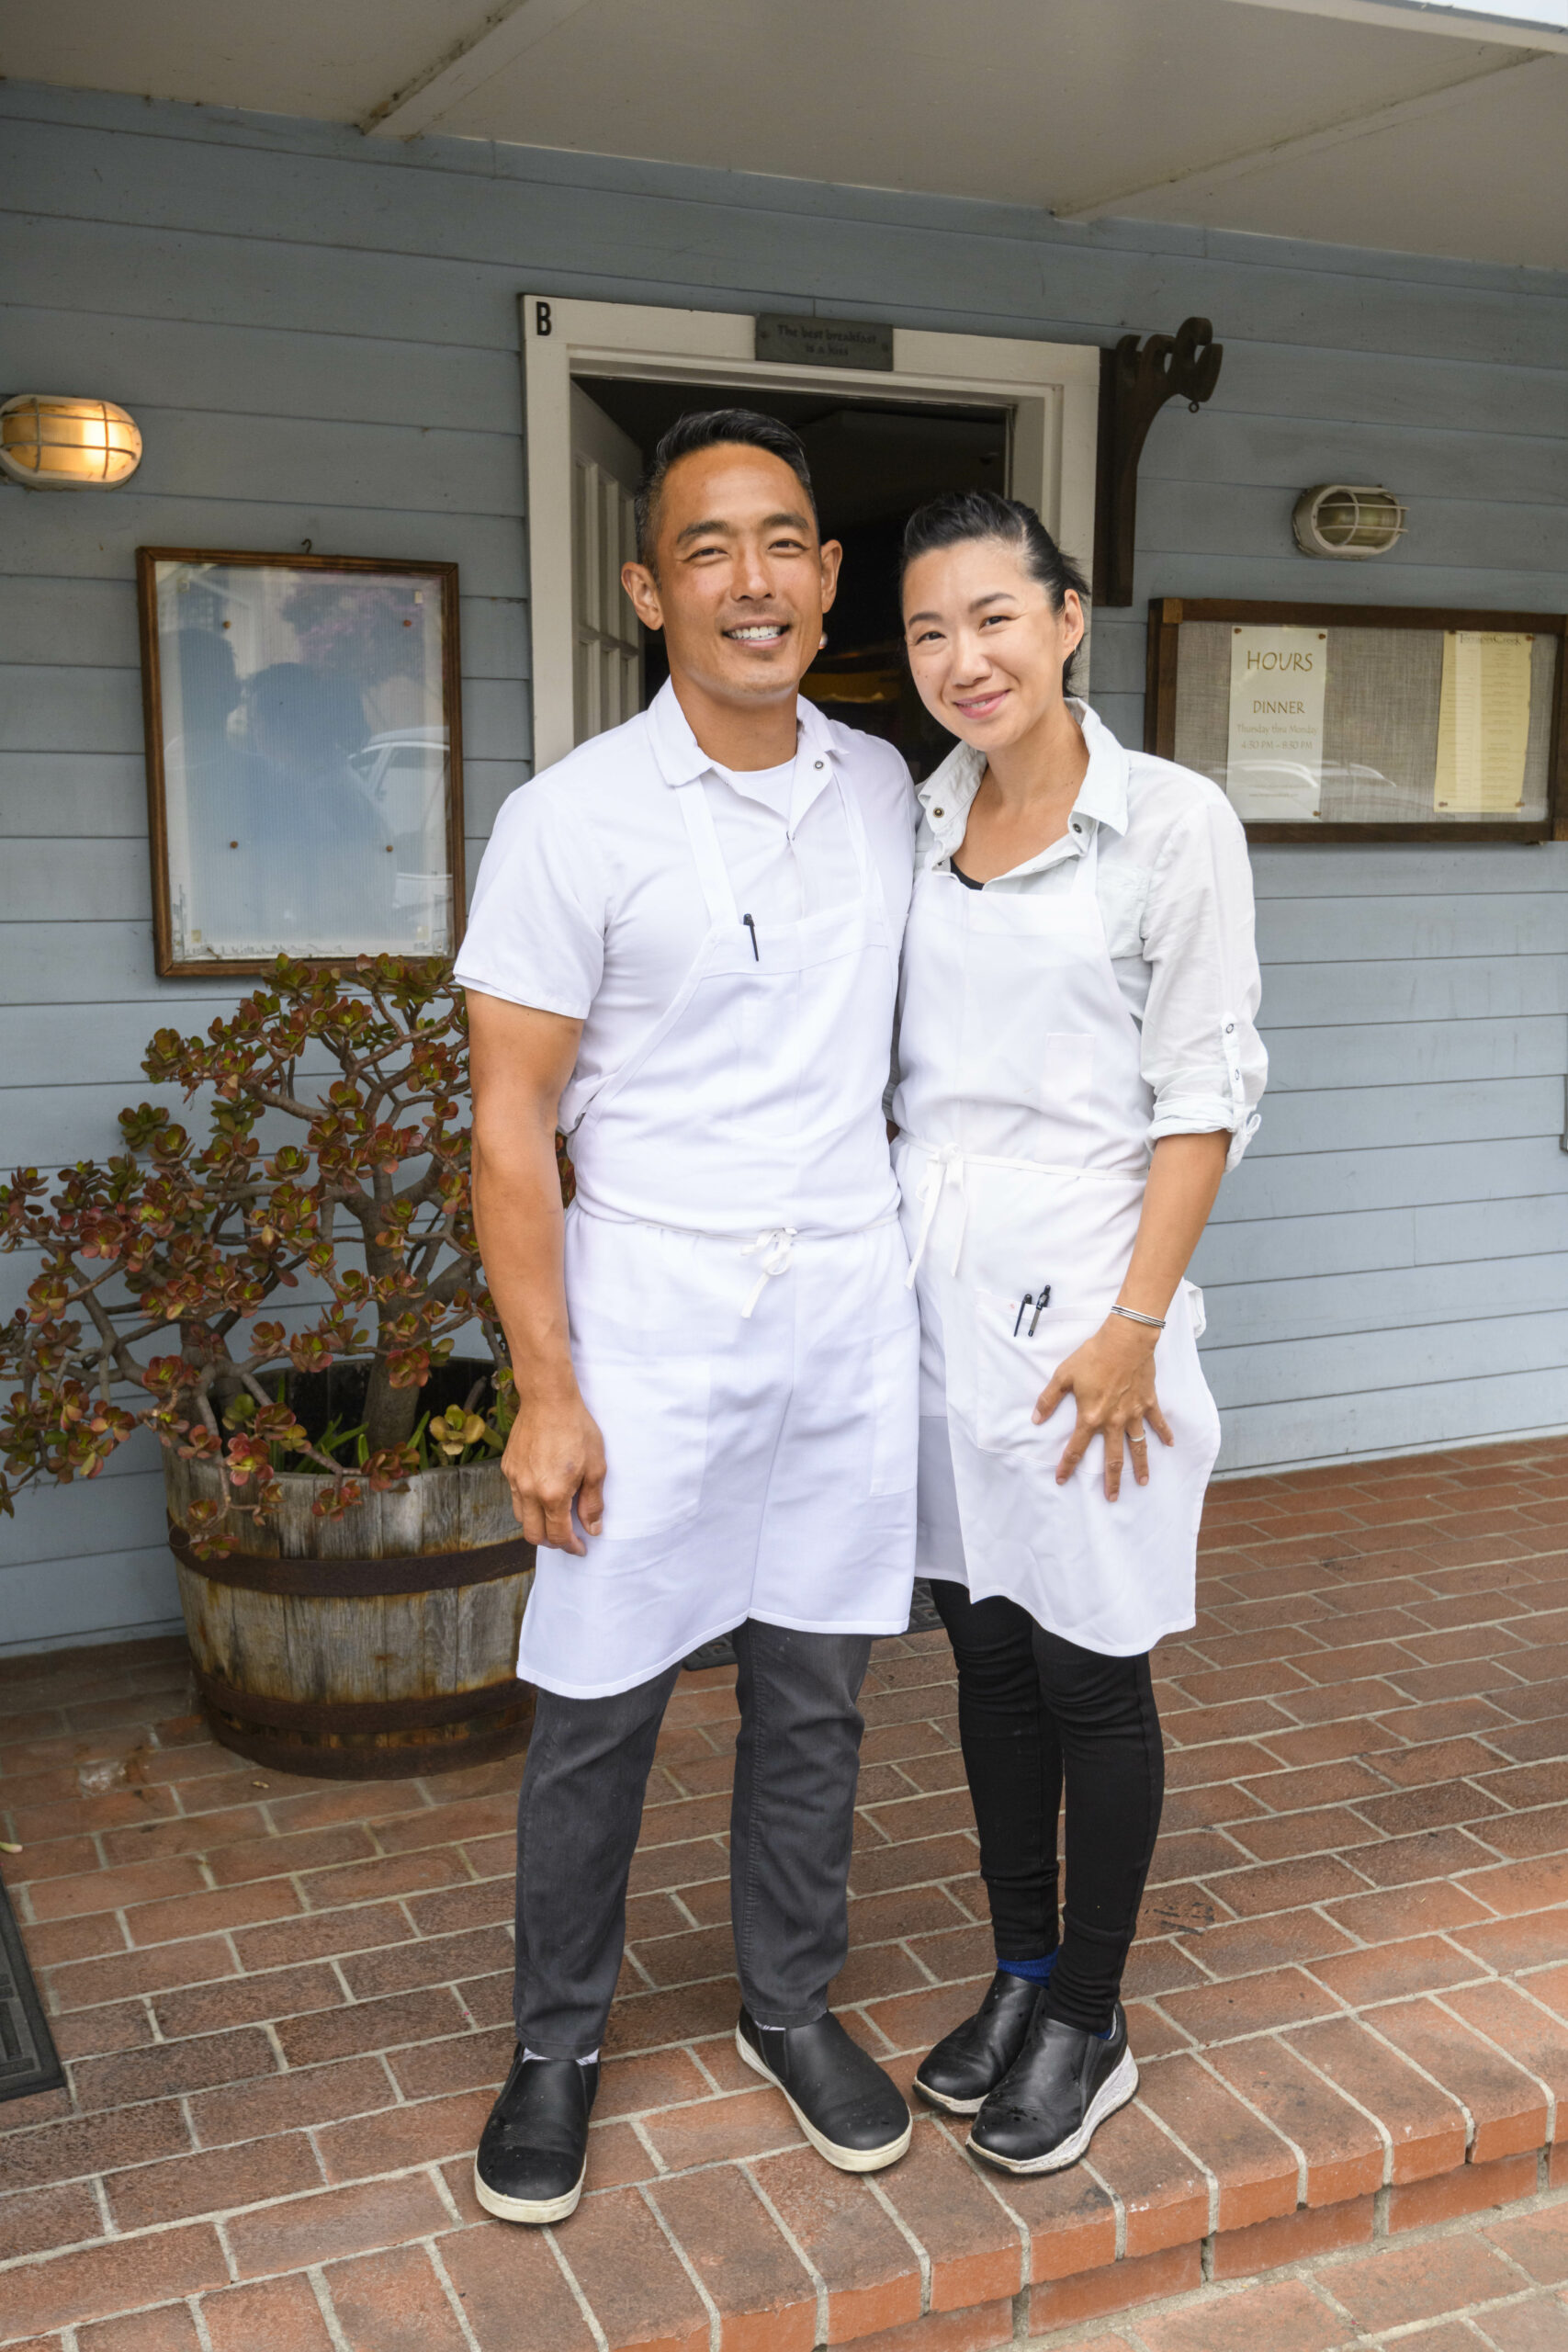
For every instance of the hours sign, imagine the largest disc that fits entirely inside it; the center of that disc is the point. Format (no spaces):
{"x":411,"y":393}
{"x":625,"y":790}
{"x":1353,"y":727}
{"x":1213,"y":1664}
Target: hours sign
{"x":1274,"y":769}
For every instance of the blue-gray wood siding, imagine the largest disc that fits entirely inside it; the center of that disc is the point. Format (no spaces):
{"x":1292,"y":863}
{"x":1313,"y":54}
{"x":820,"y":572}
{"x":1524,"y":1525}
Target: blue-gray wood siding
{"x":318,"y":335}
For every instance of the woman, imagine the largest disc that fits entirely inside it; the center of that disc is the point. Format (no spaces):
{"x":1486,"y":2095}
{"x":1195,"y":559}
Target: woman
{"x":1078,"y":1066}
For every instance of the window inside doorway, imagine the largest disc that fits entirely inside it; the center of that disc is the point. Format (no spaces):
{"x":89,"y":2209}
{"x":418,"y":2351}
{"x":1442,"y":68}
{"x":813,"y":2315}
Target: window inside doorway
{"x":872,"y":464}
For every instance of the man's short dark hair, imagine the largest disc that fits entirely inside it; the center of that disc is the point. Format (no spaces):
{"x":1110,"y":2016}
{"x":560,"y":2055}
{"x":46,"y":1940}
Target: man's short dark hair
{"x":709,"y":428}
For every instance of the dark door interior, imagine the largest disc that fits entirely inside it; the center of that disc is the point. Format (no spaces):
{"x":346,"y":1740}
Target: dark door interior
{"x":872,"y":463}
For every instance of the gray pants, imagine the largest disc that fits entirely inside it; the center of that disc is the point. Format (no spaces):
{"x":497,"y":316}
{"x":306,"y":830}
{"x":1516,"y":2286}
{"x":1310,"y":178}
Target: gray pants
{"x":792,"y":1826}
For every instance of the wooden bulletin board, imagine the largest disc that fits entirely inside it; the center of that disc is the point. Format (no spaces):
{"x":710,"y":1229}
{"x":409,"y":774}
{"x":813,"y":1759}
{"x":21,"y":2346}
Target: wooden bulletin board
{"x":1365,"y":722}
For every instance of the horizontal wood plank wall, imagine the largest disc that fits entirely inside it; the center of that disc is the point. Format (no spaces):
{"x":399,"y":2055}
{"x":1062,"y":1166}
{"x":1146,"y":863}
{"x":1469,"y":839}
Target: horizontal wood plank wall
{"x":318,"y":335}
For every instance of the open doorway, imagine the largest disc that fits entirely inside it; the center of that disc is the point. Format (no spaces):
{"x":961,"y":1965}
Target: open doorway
{"x":601,"y":380}
{"x":872,"y":463}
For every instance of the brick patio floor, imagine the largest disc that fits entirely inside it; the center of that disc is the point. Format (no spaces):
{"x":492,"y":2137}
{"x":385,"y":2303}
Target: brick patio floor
{"x":283,"y":2003}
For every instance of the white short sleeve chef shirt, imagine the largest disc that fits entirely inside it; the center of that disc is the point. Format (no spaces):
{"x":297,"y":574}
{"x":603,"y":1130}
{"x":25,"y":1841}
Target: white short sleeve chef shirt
{"x":1175,"y":894}
{"x":588,"y":902}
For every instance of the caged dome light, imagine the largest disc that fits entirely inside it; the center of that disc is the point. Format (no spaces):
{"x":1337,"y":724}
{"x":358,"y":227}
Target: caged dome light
{"x":1348,"y":520}
{"x":51,"y":441}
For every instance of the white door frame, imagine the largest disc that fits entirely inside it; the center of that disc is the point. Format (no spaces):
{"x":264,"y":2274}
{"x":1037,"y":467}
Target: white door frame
{"x":1050,"y":389}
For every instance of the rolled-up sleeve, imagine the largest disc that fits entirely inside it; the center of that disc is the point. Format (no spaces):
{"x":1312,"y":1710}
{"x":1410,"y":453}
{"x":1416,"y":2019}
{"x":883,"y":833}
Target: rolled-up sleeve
{"x":535,"y":930}
{"x":1202,"y":1053}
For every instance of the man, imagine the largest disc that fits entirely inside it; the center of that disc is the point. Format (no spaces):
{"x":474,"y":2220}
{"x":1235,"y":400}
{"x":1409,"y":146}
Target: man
{"x":683,"y":950}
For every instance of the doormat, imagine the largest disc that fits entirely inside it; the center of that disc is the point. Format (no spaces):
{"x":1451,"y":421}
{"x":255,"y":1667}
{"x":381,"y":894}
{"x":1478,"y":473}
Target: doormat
{"x":923,"y":1619}
{"x":29,"y":2062}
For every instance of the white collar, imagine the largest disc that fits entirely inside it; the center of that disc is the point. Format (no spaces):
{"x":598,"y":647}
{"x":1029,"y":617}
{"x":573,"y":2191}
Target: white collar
{"x":947,"y":794}
{"x":681,"y":758}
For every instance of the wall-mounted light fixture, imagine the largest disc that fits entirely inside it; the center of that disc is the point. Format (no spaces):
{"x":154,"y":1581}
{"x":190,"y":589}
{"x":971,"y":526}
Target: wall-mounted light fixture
{"x":48,"y":441}
{"x":1342,"y":519}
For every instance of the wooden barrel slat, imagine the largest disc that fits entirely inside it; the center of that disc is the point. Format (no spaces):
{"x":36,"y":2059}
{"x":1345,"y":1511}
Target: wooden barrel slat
{"x":379,"y":1645}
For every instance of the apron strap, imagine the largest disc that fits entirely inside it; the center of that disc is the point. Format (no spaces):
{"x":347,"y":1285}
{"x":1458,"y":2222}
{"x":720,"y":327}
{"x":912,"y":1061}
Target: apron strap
{"x":866,"y":866}
{"x":945,"y":1167}
{"x":777,"y":1246}
{"x":718,"y":892}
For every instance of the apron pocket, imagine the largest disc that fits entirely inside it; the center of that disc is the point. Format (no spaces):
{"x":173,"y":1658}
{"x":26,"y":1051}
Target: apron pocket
{"x":894,"y":1409}
{"x":652,"y":1413}
{"x":1011,"y":1372}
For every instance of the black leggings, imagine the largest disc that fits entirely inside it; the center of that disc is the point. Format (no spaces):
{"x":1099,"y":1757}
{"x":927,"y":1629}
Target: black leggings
{"x":1036,"y":1712}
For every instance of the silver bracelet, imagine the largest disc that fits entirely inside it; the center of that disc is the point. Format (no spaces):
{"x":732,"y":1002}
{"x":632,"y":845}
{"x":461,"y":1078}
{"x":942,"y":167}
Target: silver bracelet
{"x":1154,"y":1322}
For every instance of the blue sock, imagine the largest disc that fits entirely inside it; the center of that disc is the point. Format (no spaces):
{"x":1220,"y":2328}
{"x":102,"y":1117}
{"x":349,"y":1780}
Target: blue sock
{"x":1036,"y":1970}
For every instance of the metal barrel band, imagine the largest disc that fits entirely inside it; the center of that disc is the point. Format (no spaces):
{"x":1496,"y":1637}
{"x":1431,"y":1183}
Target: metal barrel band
{"x":357,"y":1580}
{"x":323,"y":1760}
{"x":345,"y":1717}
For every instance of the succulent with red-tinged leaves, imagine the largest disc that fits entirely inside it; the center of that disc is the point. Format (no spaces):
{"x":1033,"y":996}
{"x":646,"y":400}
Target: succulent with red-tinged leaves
{"x":155,"y":1301}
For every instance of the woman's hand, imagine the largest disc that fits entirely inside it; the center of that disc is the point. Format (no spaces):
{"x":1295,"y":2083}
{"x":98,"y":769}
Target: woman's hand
{"x":1111,"y":1380}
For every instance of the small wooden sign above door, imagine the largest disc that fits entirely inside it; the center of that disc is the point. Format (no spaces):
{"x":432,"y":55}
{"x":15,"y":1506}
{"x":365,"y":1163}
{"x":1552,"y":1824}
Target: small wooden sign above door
{"x":825,"y":342}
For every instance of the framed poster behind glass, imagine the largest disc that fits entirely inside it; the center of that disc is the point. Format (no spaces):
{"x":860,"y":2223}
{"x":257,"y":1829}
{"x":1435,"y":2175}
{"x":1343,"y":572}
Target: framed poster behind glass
{"x":304,"y":757}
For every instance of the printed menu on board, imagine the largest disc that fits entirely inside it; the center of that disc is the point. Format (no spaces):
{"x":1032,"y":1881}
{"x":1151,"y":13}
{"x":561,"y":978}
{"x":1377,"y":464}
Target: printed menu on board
{"x":1484,"y":722}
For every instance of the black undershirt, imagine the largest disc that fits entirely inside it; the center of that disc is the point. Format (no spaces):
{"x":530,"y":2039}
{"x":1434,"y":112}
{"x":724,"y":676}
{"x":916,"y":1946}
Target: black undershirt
{"x":959,"y":875}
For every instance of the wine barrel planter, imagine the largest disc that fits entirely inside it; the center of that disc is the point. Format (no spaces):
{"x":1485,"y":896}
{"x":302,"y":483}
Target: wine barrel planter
{"x":379,"y":1645}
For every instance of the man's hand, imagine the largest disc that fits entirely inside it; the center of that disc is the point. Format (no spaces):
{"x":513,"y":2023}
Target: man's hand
{"x":1112,"y":1379}
{"x":554,"y":1457}
{"x":521,"y":1060}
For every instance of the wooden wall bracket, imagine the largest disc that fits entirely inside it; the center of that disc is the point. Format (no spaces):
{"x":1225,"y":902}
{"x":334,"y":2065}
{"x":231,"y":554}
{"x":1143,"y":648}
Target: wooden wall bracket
{"x":1135,"y":381}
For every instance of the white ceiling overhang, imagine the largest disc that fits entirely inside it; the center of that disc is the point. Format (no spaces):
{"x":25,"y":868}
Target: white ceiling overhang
{"x":1529,"y":24}
{"x":1430,"y":126}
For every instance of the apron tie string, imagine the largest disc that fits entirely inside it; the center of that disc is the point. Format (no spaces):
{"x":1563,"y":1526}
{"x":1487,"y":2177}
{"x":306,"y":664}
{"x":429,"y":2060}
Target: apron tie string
{"x":945,"y":1167}
{"x":778,"y":1253}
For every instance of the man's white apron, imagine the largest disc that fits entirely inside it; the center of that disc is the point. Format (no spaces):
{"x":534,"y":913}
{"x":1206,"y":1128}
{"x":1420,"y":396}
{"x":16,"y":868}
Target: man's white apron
{"x":1023,"y":1167}
{"x":749,"y":1348}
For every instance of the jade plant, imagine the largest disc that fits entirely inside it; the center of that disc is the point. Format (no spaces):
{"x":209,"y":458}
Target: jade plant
{"x":336,"y":1154}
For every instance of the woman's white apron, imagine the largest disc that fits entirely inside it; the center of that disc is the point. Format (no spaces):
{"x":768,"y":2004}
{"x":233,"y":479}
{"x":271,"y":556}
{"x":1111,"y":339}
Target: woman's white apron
{"x":749,"y":1347}
{"x":1022,"y":1168}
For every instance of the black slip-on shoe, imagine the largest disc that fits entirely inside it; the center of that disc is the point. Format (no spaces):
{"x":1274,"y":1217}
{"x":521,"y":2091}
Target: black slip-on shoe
{"x":967,"y":2064}
{"x":1063,"y":2085}
{"x":532,"y":2153}
{"x":849,"y":2110}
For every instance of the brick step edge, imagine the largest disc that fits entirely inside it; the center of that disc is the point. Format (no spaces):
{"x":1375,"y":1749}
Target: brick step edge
{"x":1053,"y":2300}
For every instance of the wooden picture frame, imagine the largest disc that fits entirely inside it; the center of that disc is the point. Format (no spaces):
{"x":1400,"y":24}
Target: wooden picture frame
{"x":296,"y":737}
{"x":1169,"y":615}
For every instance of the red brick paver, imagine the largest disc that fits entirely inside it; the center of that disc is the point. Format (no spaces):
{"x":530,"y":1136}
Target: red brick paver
{"x":283,"y":2003}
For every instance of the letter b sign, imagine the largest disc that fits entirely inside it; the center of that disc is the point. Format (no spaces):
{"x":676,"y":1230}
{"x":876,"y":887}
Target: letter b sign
{"x":542,"y":325}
